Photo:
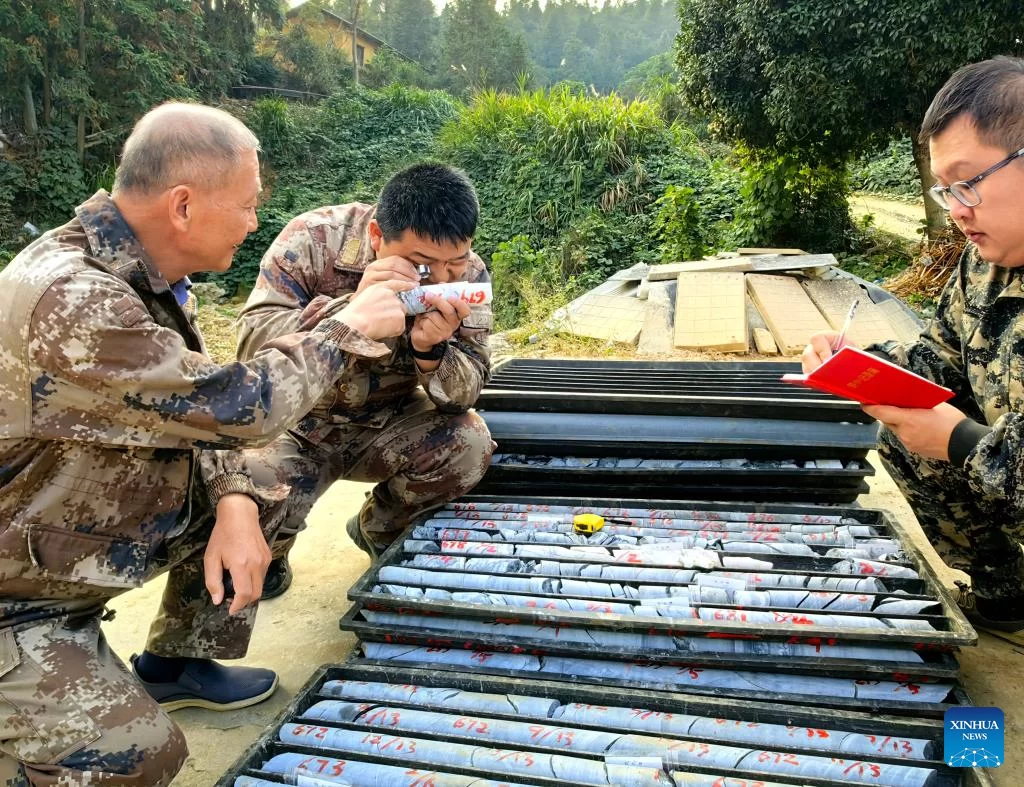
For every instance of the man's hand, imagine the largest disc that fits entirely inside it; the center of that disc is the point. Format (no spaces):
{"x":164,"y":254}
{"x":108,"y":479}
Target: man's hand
{"x":377,"y":312}
{"x":237,"y":545}
{"x":438,"y":326}
{"x":820,"y":350}
{"x":388,"y":269}
{"x":924,"y":432}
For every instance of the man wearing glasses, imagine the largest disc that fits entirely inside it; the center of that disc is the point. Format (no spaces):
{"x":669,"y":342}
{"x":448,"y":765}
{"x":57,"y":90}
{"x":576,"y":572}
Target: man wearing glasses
{"x":961,"y":465}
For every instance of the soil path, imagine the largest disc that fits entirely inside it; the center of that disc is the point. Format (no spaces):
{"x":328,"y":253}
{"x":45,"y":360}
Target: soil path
{"x":900,"y":218}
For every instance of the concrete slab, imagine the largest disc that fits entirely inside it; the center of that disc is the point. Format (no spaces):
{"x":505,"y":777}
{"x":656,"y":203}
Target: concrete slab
{"x":632,"y":273}
{"x":710,"y":266}
{"x":643,"y":290}
{"x":656,"y":335}
{"x":670,"y":271}
{"x":780,"y":262}
{"x":750,"y":250}
{"x":833,"y":299}
{"x":788,"y":311}
{"x":613,"y":318}
{"x":765,"y":342}
{"x":625,"y":287}
{"x":905,"y":328}
{"x":711,"y":312}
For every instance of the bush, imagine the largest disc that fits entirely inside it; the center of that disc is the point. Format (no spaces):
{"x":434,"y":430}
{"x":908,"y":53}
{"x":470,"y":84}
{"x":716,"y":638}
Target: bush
{"x":679,"y":224}
{"x":270,"y":120}
{"x":889,"y":171}
{"x":786,"y":202}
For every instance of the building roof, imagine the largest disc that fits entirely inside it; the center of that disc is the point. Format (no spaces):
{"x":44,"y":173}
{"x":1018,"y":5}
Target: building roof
{"x":359,"y":31}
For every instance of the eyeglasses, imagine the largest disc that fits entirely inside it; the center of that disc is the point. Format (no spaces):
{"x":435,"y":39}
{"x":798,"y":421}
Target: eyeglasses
{"x":964,"y":190}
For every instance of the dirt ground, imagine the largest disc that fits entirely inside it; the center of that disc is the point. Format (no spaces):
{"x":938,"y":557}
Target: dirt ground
{"x":298,"y":632}
{"x":899,"y":218}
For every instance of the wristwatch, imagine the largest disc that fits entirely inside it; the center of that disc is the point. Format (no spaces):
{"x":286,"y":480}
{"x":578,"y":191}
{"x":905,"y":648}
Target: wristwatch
{"x":435,"y":353}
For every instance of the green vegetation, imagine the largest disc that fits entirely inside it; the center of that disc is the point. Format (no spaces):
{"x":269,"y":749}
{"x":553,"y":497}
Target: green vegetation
{"x":572,"y":188}
{"x":822,"y":82}
{"x":890,"y":171}
{"x":743,"y":136}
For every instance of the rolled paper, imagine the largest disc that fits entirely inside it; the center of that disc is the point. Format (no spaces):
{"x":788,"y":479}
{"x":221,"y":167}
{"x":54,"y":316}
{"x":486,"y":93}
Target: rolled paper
{"x":474,"y":293}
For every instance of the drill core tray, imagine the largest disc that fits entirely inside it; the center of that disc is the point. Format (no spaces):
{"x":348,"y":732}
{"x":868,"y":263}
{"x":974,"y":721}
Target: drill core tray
{"x":478,"y":584}
{"x":371,"y":723}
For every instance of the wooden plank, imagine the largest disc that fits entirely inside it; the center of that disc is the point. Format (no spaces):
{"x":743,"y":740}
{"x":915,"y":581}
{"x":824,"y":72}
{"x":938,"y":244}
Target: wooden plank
{"x":764,"y":342}
{"x":833,"y":299}
{"x":711,"y":312}
{"x":788,"y":311}
{"x":749,"y":250}
{"x":609,"y":317}
{"x":904,"y":327}
{"x":656,"y":335}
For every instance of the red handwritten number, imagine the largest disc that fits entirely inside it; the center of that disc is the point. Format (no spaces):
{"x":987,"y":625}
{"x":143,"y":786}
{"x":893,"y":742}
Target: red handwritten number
{"x":472,"y":725}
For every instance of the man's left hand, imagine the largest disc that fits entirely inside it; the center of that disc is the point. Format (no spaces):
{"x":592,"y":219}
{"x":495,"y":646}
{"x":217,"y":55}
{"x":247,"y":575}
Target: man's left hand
{"x":924,"y":432}
{"x":435,"y":327}
{"x":238,"y":546}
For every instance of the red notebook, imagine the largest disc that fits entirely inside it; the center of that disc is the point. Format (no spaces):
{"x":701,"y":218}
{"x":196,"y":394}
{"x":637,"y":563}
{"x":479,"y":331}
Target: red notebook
{"x":866,"y":378}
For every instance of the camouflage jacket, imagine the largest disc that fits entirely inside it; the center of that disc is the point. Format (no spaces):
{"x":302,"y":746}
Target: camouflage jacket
{"x":111,"y":414}
{"x":317,"y":262}
{"x":975,"y":346}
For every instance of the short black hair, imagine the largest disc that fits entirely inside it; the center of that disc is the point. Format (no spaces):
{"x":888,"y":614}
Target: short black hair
{"x":431,"y":199}
{"x":991,"y":93}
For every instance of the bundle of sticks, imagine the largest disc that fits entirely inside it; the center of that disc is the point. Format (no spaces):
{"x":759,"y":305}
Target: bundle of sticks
{"x":928,"y":274}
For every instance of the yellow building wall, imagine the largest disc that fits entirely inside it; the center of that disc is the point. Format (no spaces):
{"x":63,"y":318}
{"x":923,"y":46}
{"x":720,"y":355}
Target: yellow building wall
{"x":325,"y":30}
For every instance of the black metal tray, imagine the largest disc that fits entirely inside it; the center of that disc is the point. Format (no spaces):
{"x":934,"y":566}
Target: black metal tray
{"x":937,"y":664}
{"x":763,"y":484}
{"x":885,"y":728}
{"x":955,"y":630}
{"x":677,"y":436}
{"x":744,"y":389}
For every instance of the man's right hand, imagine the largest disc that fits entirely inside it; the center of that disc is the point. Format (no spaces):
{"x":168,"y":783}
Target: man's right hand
{"x":388,"y":269}
{"x":820,"y":350}
{"x":376,"y":311}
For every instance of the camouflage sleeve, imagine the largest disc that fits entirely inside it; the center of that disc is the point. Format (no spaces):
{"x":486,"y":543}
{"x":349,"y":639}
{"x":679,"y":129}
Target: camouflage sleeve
{"x":101,"y":358}
{"x":223,"y":473}
{"x":281,"y":300}
{"x":995,"y":466}
{"x":455,"y":384}
{"x":937,"y":355}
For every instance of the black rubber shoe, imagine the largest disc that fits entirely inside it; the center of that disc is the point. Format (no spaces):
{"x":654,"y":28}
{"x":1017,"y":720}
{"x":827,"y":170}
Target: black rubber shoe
{"x":1009,"y":630}
{"x":278,"y":578}
{"x":204,"y":683}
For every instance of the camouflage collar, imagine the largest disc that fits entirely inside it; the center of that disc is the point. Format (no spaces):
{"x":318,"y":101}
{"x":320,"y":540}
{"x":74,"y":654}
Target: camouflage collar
{"x":1009,"y":280}
{"x":113,"y":243}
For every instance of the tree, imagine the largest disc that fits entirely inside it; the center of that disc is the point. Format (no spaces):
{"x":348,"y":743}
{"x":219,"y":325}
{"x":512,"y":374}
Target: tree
{"x":827,"y":80}
{"x":412,"y":28}
{"x":478,"y":49}
{"x":229,"y":30}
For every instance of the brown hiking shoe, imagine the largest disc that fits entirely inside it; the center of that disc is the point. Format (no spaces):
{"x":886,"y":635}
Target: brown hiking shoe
{"x":1009,"y":630}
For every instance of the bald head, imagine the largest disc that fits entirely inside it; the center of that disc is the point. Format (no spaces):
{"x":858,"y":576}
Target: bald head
{"x":182,"y":143}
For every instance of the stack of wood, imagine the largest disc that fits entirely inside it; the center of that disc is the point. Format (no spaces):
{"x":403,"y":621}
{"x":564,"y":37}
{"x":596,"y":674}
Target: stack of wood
{"x":768,"y":301}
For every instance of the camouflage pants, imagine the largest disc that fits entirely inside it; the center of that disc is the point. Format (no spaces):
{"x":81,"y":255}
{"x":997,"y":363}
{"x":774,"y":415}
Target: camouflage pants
{"x":71,"y":713}
{"x":420,"y":458}
{"x":969,"y":533}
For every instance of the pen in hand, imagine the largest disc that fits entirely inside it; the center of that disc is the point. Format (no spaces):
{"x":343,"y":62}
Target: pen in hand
{"x":841,"y":338}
